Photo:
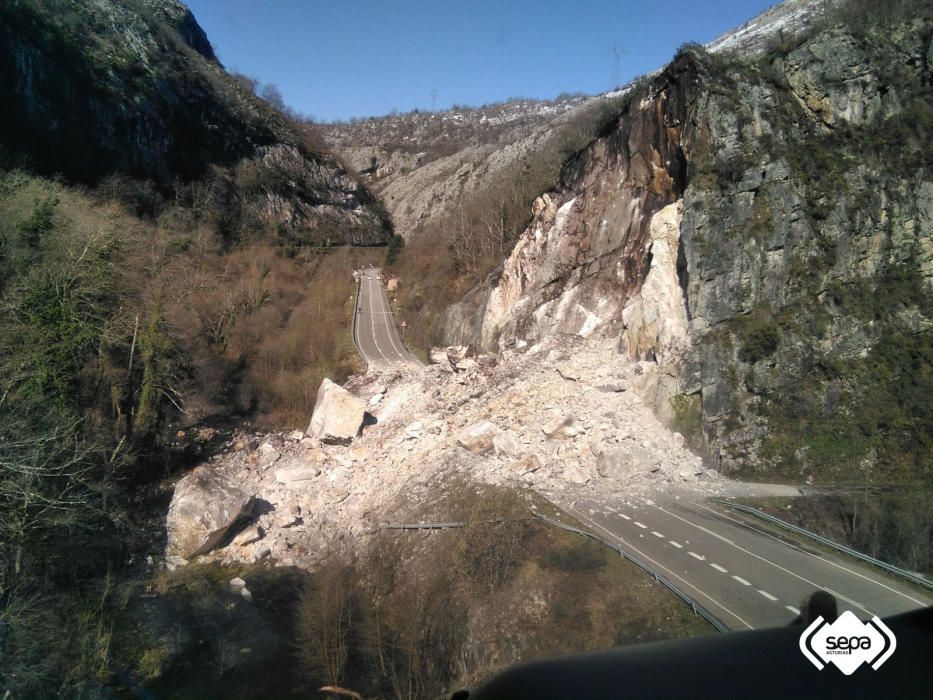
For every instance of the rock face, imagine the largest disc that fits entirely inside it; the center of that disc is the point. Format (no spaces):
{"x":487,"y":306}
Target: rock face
{"x":736,"y":229}
{"x":583,"y":257}
{"x":116,"y":86}
{"x":424,"y":164}
{"x":337,"y":416}
{"x":204,"y":501}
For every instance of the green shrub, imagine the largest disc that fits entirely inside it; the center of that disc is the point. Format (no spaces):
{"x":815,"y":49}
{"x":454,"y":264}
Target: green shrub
{"x":759,"y":335}
{"x":688,"y":419}
{"x":396,"y":243}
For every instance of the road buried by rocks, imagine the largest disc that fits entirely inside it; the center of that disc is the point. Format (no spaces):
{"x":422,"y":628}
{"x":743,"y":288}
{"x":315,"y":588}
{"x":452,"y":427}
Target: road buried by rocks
{"x":565,"y":417}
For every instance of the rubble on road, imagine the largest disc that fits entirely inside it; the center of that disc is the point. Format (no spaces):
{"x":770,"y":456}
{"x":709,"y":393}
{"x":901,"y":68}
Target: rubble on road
{"x":554,"y":417}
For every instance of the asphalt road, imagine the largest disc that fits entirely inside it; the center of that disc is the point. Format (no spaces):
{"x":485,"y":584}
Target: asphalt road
{"x":746,"y":576}
{"x":376,"y":335}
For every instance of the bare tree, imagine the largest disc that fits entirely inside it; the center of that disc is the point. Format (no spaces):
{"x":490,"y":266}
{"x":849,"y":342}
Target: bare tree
{"x":325,"y":620}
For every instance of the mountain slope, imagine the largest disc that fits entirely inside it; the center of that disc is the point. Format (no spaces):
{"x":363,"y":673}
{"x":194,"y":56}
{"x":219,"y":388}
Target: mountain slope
{"x":133,"y":86}
{"x":767,"y":255}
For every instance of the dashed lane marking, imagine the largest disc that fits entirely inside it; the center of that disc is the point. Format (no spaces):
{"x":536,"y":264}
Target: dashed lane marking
{"x":661,"y":566}
{"x":720,"y":569}
{"x":643,"y":527}
{"x":741,"y":580}
{"x":657,"y":534}
{"x":792,"y":609}
{"x":767,"y":595}
{"x":767,"y":561}
{"x":822,"y":559}
{"x":676,"y":544}
{"x":623,"y":515}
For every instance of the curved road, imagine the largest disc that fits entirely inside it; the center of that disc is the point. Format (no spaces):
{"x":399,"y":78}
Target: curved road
{"x":375,"y":333}
{"x":744,"y":574}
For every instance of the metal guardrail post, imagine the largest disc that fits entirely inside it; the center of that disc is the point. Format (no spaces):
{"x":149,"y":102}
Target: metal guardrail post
{"x":696,"y":606}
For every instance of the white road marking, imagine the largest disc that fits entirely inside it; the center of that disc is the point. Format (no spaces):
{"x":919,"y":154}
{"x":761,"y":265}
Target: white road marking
{"x":697,"y":556}
{"x":657,"y":534}
{"x":385,"y":314}
{"x":385,"y":321}
{"x":767,"y":595}
{"x":768,"y":561}
{"x":662,"y":567}
{"x":676,"y":544}
{"x":792,"y":609}
{"x":372,"y":326}
{"x":623,"y":515}
{"x":741,"y":580}
{"x":720,"y":569}
{"x":643,"y":527}
{"x":827,"y":561}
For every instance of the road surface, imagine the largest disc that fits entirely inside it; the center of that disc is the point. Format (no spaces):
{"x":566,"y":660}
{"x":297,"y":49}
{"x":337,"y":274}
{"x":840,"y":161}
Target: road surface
{"x":376,"y":335}
{"x":747,"y":576}
{"x":744,"y":574}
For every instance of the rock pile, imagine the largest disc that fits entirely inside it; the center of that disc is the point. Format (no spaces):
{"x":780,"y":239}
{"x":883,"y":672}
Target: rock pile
{"x":563,"y":417}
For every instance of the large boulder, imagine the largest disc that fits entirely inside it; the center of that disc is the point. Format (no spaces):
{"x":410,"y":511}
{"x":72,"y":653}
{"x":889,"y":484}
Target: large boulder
{"x":204,"y":501}
{"x":622,"y":463}
{"x":337,"y":416}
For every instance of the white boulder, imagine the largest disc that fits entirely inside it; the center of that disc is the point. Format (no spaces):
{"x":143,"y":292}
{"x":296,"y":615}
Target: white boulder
{"x":337,"y":416}
{"x":478,"y":438}
{"x":203,"y":502}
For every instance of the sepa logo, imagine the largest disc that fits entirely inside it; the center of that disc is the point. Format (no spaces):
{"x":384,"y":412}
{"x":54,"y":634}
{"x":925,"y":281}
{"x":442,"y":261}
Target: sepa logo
{"x":847,"y":643}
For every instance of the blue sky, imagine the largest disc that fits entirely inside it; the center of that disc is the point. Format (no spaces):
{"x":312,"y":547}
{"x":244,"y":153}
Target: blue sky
{"x":345,"y":58}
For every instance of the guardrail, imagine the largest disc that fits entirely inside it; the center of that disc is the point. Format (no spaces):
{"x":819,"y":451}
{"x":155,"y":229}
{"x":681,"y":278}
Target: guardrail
{"x":897,"y":571}
{"x":697,"y":607}
{"x":694,"y":605}
{"x":356,"y":316}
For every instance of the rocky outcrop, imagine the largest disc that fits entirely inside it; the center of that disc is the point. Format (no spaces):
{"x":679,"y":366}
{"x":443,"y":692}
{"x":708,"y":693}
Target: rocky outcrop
{"x":587,"y":250}
{"x":424,"y":165}
{"x":120,"y":87}
{"x":755,"y":230}
{"x":179,"y":17}
{"x":338,"y":415}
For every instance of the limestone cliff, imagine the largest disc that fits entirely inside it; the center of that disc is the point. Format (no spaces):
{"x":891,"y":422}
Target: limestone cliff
{"x":97,"y":87}
{"x":759,"y":229}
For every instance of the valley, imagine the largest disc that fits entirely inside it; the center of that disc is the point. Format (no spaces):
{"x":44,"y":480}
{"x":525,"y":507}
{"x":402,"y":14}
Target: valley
{"x":393,"y":403}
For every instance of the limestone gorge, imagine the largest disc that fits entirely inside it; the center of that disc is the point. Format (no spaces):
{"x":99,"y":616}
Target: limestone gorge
{"x":626,"y":316}
{"x":735,"y":227}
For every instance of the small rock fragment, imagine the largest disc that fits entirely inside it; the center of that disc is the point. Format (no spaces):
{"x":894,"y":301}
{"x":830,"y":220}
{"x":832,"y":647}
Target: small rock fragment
{"x":252,"y":534}
{"x":478,"y":438}
{"x":296,"y":476}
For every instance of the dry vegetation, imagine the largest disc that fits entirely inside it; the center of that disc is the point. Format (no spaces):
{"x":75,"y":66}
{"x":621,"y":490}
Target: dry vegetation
{"x":421,"y":614}
{"x":457,"y":251}
{"x":892,"y":524}
{"x":115,"y":331}
{"x":251,"y":330}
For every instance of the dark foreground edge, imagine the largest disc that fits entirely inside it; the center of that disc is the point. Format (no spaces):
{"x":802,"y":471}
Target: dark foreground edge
{"x":758,"y":663}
